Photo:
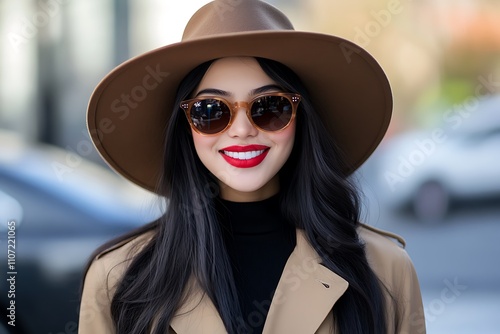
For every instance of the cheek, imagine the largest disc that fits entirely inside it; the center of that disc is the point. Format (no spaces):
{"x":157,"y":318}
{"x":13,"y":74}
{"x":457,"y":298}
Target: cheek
{"x":284,"y":142}
{"x":197,"y":140}
{"x":203,"y":145}
{"x":201,"y":142}
{"x":286,"y":138}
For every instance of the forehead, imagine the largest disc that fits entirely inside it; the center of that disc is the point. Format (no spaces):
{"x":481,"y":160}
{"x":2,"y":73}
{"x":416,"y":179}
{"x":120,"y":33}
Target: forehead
{"x":235,"y":75}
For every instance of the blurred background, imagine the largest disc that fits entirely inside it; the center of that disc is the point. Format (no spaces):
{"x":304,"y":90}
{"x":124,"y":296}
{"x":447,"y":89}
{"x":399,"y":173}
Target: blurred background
{"x":435,"y":179}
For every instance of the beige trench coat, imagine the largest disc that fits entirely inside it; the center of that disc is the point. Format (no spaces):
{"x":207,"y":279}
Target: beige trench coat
{"x":302,"y":303}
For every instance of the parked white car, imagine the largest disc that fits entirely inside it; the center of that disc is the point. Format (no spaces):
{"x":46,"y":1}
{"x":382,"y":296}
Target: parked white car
{"x":453,"y":163}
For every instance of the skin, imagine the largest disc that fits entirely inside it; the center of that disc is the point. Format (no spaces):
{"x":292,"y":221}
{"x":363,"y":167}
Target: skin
{"x":236,"y":79}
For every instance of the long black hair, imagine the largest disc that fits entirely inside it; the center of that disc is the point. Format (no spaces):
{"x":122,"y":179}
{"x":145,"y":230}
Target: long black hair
{"x":316,"y":196}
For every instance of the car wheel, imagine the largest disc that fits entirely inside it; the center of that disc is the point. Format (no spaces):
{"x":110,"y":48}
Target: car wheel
{"x":431,"y":202}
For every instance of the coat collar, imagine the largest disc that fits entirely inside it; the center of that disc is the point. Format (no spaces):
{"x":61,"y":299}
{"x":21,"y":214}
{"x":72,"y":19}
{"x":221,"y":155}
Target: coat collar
{"x":305,"y":294}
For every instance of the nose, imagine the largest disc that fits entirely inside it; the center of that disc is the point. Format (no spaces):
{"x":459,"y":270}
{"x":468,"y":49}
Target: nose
{"x":241,"y":125}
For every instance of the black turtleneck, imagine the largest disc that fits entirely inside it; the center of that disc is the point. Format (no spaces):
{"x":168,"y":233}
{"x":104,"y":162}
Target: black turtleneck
{"x":259,"y":242}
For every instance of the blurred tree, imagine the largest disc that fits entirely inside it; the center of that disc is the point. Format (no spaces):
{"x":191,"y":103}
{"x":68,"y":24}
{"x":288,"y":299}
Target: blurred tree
{"x":432,"y":51}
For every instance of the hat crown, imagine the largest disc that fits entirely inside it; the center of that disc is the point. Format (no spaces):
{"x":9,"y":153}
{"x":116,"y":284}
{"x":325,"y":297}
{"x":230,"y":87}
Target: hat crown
{"x":224,"y":17}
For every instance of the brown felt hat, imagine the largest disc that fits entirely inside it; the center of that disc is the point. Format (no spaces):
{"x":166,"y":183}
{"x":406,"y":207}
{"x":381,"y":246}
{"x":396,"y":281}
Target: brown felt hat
{"x":129,"y":109}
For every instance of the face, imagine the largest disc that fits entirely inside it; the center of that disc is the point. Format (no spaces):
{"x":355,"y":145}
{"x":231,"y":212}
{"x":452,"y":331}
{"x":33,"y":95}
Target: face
{"x":245,"y":160}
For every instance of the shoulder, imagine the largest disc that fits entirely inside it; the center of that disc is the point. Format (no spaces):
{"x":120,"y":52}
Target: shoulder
{"x":103,"y":274}
{"x":385,"y":252}
{"x":391,"y":263}
{"x":112,"y":262}
{"x":381,"y":243}
{"x":125,"y":248}
{"x":377,"y":235}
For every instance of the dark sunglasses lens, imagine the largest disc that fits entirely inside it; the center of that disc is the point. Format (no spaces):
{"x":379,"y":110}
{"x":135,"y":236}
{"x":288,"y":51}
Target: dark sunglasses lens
{"x":210,"y":116}
{"x":272,"y":113}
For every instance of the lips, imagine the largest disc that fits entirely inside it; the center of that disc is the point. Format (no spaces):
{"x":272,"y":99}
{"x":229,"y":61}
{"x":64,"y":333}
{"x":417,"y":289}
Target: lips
{"x":244,"y":156}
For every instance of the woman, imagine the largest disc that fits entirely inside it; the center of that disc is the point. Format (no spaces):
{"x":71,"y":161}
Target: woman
{"x":261,"y":127}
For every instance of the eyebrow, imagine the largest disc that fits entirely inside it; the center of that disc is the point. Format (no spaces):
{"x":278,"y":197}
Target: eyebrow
{"x":256,"y":91}
{"x":266,"y":88}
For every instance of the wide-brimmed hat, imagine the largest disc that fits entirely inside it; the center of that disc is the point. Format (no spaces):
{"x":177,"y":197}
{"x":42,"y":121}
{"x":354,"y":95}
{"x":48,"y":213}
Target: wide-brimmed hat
{"x":130,"y":108}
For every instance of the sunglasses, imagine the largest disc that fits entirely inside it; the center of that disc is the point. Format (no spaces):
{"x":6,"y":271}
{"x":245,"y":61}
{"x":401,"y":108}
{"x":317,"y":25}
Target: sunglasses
{"x":271,"y":112}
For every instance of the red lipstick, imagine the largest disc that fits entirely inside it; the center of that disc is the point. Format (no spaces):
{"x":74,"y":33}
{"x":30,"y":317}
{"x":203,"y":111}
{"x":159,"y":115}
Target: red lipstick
{"x":244,"y":156}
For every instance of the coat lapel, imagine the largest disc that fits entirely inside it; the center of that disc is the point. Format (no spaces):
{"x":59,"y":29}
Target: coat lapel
{"x":305,"y":294}
{"x":303,"y":298}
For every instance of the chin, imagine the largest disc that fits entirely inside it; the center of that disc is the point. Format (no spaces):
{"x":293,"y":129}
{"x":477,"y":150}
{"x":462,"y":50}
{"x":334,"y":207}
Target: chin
{"x":249,"y":190}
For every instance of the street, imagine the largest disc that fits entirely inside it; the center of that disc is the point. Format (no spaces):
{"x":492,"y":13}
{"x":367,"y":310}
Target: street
{"x":457,"y":261}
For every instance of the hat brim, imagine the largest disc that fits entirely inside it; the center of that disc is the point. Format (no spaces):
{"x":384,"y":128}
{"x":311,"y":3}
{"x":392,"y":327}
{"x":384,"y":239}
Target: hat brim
{"x":129,"y":109}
